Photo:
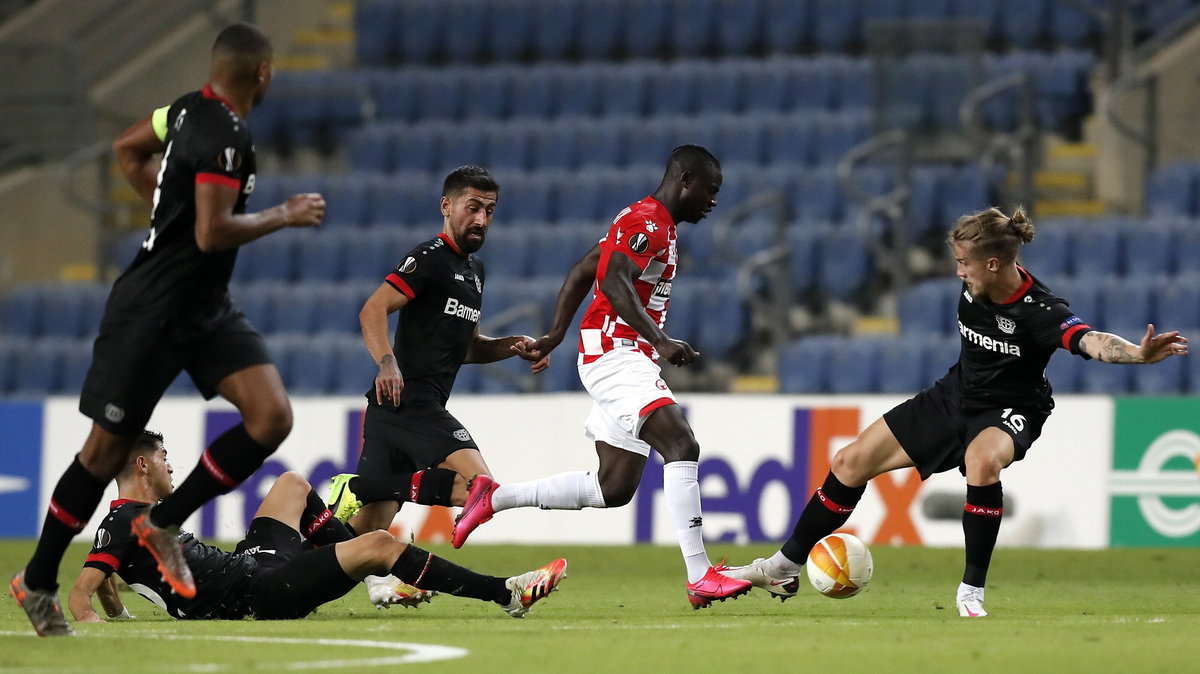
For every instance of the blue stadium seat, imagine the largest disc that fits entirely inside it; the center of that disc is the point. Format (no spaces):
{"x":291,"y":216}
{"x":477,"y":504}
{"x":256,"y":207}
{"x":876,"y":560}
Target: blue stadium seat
{"x":644,"y":28}
{"x":293,"y":309}
{"x":1065,"y":372}
{"x":1177,"y":303}
{"x":941,"y":354}
{"x":402,"y":199}
{"x":813,"y":85}
{"x":984,"y":11}
{"x":844,"y":264}
{"x":623,"y":90}
{"x":21,"y":312}
{"x":91,"y":310}
{"x":507,"y":146}
{"x":1171,"y":190}
{"x":270,"y":258}
{"x":555,"y":146}
{"x":319,"y":256}
{"x":36,"y":369}
{"x":1165,"y":378}
{"x":1083,"y":296}
{"x":76,"y":355}
{"x":337,"y":307}
{"x":854,"y":368}
{"x":313,"y":367}
{"x":929,"y":307}
{"x":692,"y":28}
{"x":931,"y":9}
{"x":740,"y":26}
{"x":439,"y":94}
{"x":414,"y":147}
{"x":371,"y":256}
{"x":1097,"y":248}
{"x":369,"y":149}
{"x":724,"y":320}
{"x":817,"y":198}
{"x":790,"y":139}
{"x":600,"y":24}
{"x":719,"y":89}
{"x":1049,"y":254}
{"x":254,"y":299}
{"x":456,"y":149}
{"x":525,"y":197}
{"x":510,"y":33}
{"x":1106,"y":379}
{"x":902,"y":366}
{"x":804,"y":365}
{"x":509,"y":253}
{"x":837,"y":24}
{"x":555,"y":25}
{"x":601,"y":143}
{"x":579,"y":90}
{"x":924,"y":202}
{"x":486,"y":92}
{"x":1149,"y":250}
{"x":803,"y":257}
{"x":686,"y":308}
{"x":964,"y":191}
{"x":651,"y":141}
{"x":765,"y":84}
{"x":1187,"y":249}
{"x":852,"y":78}
{"x":345,"y":201}
{"x":837,"y":133}
{"x":395,"y":94}
{"x":674,"y":88}
{"x":8,"y":351}
{"x":375,"y":36}
{"x":61,"y":311}
{"x":1128,"y":301}
{"x":1023,"y":22}
{"x":1071,"y":26}
{"x":788,"y":25}
{"x":534,"y":92}
{"x":420,"y":26}
{"x":468,"y":26}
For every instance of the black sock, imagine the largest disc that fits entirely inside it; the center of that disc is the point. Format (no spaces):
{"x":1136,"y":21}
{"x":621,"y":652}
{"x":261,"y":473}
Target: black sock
{"x":981,"y":525}
{"x":232,"y":457}
{"x":422,"y":569}
{"x":827,"y":510}
{"x":318,"y":524}
{"x":427,"y":487}
{"x":75,"y":498}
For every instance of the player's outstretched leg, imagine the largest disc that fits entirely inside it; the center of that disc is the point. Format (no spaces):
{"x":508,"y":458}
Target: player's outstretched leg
{"x":763,"y":574}
{"x":477,"y":510}
{"x":40,"y":607}
{"x":529,"y":587}
{"x":715,"y":586}
{"x":164,"y":545}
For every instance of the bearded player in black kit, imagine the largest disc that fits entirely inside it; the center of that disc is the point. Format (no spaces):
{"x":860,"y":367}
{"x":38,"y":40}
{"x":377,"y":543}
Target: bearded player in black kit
{"x":170,"y":311}
{"x":979,"y":418}
{"x":437,"y":288}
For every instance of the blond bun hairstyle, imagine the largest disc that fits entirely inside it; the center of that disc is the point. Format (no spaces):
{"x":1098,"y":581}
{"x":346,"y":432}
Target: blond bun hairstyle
{"x":993,"y":234}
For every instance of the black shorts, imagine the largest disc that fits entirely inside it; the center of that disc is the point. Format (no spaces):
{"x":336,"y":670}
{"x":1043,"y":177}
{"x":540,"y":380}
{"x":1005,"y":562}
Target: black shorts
{"x":412,"y":438}
{"x":934,"y":431}
{"x":290,"y":582}
{"x":134,"y":361}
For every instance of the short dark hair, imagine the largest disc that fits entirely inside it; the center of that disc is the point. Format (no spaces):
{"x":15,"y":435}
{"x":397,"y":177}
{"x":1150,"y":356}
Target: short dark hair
{"x":469,"y":176}
{"x":694,"y":159}
{"x":243,"y":47}
{"x":148,"y":438}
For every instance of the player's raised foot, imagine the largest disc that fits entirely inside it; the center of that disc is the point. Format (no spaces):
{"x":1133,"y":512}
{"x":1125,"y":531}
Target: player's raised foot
{"x":477,"y":509}
{"x":970,"y":601}
{"x":164,"y":545}
{"x":715,"y":586}
{"x":342,"y":502}
{"x":528,"y":588}
{"x":41,"y":608}
{"x":762,"y":574}
{"x":388,"y":591}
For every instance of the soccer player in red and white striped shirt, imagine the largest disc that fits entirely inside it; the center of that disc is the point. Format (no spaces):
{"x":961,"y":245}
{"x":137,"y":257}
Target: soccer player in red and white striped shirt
{"x":621,"y":338}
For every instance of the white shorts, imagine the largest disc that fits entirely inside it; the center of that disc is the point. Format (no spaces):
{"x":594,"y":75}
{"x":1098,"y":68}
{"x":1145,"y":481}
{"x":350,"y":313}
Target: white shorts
{"x":626,"y":387}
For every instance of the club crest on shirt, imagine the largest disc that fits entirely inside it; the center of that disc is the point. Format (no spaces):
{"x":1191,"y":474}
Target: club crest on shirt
{"x":1006,"y":325}
{"x":478,"y":285}
{"x":639,"y":242}
{"x":462,"y":435}
{"x":409,"y":265}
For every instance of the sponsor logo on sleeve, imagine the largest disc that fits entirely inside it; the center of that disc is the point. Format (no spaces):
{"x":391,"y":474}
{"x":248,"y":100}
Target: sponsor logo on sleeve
{"x":1073,"y":320}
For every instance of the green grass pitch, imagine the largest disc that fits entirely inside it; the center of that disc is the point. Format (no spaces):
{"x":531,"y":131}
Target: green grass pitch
{"x":623,"y":609}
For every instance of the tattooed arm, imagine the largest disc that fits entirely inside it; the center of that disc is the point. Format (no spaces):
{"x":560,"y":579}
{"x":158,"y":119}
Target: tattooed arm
{"x":1110,"y":348}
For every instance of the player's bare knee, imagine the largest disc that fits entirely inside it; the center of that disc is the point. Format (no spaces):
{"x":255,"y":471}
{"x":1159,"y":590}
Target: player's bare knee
{"x":850,"y":467}
{"x":294,"y":481}
{"x":617,"y":492}
{"x":682,"y":447}
{"x":270,"y":425}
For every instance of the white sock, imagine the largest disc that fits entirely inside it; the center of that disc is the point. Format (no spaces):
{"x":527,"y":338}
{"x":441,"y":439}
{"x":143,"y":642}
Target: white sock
{"x":564,"y":491}
{"x":783,"y":565}
{"x":681,"y":487}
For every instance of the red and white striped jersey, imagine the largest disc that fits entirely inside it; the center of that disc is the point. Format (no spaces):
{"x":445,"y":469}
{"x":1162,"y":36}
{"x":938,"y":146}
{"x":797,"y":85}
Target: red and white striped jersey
{"x":645,"y":232}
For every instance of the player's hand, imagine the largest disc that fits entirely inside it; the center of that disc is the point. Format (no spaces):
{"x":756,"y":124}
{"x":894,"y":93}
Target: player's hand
{"x":389,"y":382}
{"x":677,"y":352}
{"x":541,"y":347}
{"x":539,"y":358}
{"x":1159,"y":347}
{"x":305,"y":210}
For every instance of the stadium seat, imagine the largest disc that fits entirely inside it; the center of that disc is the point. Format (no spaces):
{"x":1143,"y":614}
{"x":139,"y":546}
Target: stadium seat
{"x":964,"y":191}
{"x":740,"y":26}
{"x":902,"y":366}
{"x":929,"y":307}
{"x":1149,"y":250}
{"x":507,"y":146}
{"x":1083,"y":296}
{"x":1127,"y":301}
{"x":1097,"y":248}
{"x":1023,"y":22}
{"x":852,"y":78}
{"x":941,"y":354}
{"x":1177,"y":303}
{"x":817,"y":198}
{"x":1065,"y":372}
{"x":8,"y":351}
{"x":555,"y":146}
{"x":345,"y":201}
{"x":673,"y":89}
{"x":579,"y":90}
{"x":692,"y":28}
{"x":420,"y":26}
{"x":1171,"y":190}
{"x":802,"y":258}
{"x":723,"y":320}
{"x":36,"y":369}
{"x":21,"y":312}
{"x":837,"y":24}
{"x":788,"y":24}
{"x":375,"y":37}
{"x":61,"y":311}
{"x":644,"y":29}
{"x":1187,"y":249}
{"x":404,"y":199}
{"x":1049,"y":254}
{"x":525,"y":198}
{"x":1105,"y":379}
{"x":319,"y":256}
{"x":254,"y":299}
{"x":293,"y":310}
{"x":337,"y":307}
{"x":600,"y":24}
{"x":555,"y":25}
{"x":468,"y":27}
{"x":804,"y":365}
{"x":270,"y":258}
{"x":601,"y":143}
{"x":844,"y":265}
{"x":765,"y":85}
{"x":314,"y":363}
{"x":812,"y":85}
{"x":790,"y":139}
{"x":854,"y":366}
{"x":836,"y":134}
{"x":535,"y":92}
{"x":623,"y":90}
{"x":1072,"y":26}
{"x":76,"y":358}
{"x":508,"y":253}
{"x":1165,"y":378}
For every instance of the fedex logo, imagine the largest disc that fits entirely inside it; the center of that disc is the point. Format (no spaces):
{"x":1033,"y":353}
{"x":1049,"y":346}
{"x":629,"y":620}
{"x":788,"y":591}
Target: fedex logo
{"x":816,"y":435}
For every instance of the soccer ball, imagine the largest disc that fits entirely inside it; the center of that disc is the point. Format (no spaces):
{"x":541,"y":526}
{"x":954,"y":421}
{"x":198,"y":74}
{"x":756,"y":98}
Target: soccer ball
{"x":839,"y":566}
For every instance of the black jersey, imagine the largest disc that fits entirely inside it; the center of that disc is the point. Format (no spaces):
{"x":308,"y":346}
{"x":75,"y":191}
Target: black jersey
{"x":444,"y":288}
{"x":1006,"y":346}
{"x":207,"y":142}
{"x":222,"y":578}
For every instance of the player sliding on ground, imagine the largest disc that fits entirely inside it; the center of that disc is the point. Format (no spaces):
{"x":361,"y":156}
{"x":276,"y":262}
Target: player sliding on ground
{"x":270,"y":575}
{"x":979,"y":418}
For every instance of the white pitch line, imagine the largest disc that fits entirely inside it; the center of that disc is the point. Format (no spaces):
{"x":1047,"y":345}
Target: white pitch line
{"x":415,"y":653}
